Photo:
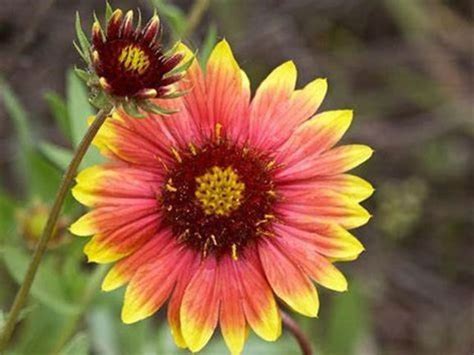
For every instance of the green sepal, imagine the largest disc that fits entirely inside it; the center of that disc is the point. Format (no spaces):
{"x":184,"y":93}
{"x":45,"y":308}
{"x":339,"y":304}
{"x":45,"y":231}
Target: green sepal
{"x":99,"y":100}
{"x":139,"y":22}
{"x":108,"y":11}
{"x":172,"y":50}
{"x":181,"y":68}
{"x":151,"y":107}
{"x":83,"y":41}
{"x":83,"y":74}
{"x":130,"y":107}
{"x":175,"y":94}
{"x":83,"y":56}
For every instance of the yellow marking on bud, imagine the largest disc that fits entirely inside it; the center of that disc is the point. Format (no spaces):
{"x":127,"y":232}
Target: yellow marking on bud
{"x":95,"y":57}
{"x":103,"y":82}
{"x":133,"y":58}
{"x":234,"y":252}
{"x":219,"y":190}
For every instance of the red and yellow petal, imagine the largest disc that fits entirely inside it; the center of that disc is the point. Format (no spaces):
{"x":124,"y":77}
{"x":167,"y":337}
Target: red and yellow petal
{"x":330,"y":240}
{"x":200,"y":306}
{"x":316,"y":266}
{"x":272,"y":93}
{"x":288,"y":281}
{"x":259,"y":305}
{"x":231,"y":317}
{"x":113,"y":184}
{"x":195,"y":101}
{"x":335,"y":161}
{"x":138,"y":142}
{"x":122,"y":271}
{"x":348,"y":185}
{"x":302,"y":105}
{"x":316,"y":135}
{"x":325,"y":207}
{"x":152,"y":285}
{"x":227,"y":89}
{"x":174,"y":305}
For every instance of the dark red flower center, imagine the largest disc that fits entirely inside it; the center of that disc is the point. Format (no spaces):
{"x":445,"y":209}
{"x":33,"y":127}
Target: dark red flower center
{"x":129,"y":66}
{"x":219,"y":198}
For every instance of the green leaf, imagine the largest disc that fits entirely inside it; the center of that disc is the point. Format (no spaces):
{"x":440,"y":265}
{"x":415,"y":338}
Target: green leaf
{"x":44,"y":177}
{"x":59,"y":110}
{"x":39,"y":332}
{"x":18,"y":114}
{"x":347,"y":322}
{"x":23,"y":129}
{"x":208,"y":44}
{"x":47,"y":287}
{"x":79,"y":110}
{"x":104,"y":335}
{"x":7,"y":216}
{"x":78,"y":345}
{"x":175,"y":17}
{"x":78,"y":106}
{"x":59,"y":156}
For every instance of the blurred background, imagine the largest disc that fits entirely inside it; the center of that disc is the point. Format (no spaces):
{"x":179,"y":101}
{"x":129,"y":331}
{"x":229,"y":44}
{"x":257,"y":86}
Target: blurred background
{"x":404,"y":66}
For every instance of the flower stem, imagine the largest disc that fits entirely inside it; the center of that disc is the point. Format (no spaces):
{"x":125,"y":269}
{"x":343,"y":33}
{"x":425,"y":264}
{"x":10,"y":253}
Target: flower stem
{"x":22,"y":295}
{"x":295,"y":329}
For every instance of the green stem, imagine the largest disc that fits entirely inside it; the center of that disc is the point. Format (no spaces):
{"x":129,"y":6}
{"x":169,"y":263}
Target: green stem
{"x":22,"y":295}
{"x":89,"y":293}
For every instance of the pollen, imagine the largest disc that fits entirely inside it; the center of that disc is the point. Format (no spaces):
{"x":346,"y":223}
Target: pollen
{"x":219,"y":191}
{"x":135,"y":59}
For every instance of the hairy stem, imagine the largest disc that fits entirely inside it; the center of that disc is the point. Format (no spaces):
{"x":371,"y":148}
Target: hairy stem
{"x":22,"y":294}
{"x":295,"y":329}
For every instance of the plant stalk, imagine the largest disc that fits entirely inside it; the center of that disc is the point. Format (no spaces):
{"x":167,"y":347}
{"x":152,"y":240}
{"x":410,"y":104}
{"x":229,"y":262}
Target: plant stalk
{"x":22,"y":294}
{"x":294,"y":328}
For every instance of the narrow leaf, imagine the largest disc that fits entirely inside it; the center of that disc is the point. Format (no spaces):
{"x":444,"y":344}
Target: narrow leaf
{"x":59,"y":156}
{"x":208,"y":44}
{"x":58,"y":109}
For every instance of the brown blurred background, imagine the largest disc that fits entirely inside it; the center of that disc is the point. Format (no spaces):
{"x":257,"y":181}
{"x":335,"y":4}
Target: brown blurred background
{"x":405,"y":66}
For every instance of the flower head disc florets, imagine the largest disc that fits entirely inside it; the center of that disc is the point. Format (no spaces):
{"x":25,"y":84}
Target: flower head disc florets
{"x":127,"y":64}
{"x":219,"y":198}
{"x":232,"y":204}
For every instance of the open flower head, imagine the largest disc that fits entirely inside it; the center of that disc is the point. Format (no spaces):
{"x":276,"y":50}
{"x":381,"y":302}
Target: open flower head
{"x":231,"y":205}
{"x":127,"y":65}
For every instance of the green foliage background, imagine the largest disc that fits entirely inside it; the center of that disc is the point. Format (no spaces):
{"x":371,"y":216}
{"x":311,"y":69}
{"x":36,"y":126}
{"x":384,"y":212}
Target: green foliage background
{"x":406,"y":68}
